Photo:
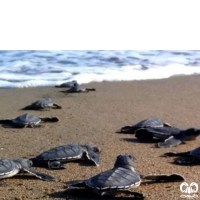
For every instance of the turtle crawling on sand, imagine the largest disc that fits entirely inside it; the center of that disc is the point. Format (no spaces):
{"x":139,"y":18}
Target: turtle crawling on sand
{"x":67,"y":84}
{"x":76,"y":88}
{"x":42,"y":105}
{"x":150,"y":122}
{"x":120,"y":179}
{"x":9,"y":168}
{"x":26,"y":120}
{"x":172,"y":136}
{"x":54,"y":158}
{"x":187,"y":157}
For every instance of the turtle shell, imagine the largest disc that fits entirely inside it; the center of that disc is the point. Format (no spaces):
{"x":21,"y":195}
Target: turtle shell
{"x":65,"y":152}
{"x":44,"y":103}
{"x":151,"y":122}
{"x":114,"y":179}
{"x":26,"y":119}
{"x":159,"y":132}
{"x":7,"y":168}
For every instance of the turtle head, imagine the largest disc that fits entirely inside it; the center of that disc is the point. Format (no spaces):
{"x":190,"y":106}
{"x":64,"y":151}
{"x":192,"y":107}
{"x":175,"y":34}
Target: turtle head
{"x":90,"y":147}
{"x":125,"y":161}
{"x":192,"y":133}
{"x":23,"y":163}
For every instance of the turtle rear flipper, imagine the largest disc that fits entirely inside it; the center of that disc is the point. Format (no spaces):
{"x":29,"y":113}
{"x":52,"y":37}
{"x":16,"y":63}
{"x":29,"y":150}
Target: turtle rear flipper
{"x":186,"y":160}
{"x":76,"y":184}
{"x":90,"y":89}
{"x":39,"y":175}
{"x":164,"y":177}
{"x":93,"y":157}
{"x":56,"y":106}
{"x":170,"y":142}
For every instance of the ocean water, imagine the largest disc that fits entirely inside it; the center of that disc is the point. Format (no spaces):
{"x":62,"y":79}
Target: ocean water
{"x":49,"y":68}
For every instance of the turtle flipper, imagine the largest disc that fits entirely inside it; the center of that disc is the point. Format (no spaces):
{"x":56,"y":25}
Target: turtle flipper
{"x":5,"y":121}
{"x":39,"y":175}
{"x":170,"y":142}
{"x":170,"y":154}
{"x":76,"y":184}
{"x":56,"y":106}
{"x":137,"y":195}
{"x":56,"y":165}
{"x":167,"y":124}
{"x":126,"y":129}
{"x":93,"y":157}
{"x":49,"y":119}
{"x":185,"y":160}
{"x":164,"y":177}
{"x":143,"y":135}
{"x":90,"y":89}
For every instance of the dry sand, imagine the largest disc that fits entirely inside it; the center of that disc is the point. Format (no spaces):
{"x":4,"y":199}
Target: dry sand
{"x":93,"y":118}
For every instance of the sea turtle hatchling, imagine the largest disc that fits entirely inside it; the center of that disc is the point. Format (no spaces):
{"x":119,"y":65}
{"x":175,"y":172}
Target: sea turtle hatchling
{"x":187,"y":157}
{"x":120,"y":179}
{"x":76,"y":88}
{"x":172,"y":136}
{"x":67,"y":84}
{"x":42,"y":105}
{"x":54,"y":158}
{"x":9,"y":168}
{"x":26,"y":120}
{"x":150,"y":122}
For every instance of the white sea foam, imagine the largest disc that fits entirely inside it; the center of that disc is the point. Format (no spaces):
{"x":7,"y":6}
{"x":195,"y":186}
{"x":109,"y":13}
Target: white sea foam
{"x":48,"y":68}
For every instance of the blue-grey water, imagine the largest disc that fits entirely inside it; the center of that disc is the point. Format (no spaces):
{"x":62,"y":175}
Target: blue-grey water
{"x":48,"y":68}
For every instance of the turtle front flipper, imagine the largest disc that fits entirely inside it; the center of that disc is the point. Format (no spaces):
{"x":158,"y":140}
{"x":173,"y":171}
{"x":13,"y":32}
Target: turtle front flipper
{"x":56,"y":165}
{"x":49,"y":119}
{"x":143,"y":135}
{"x":164,"y":177}
{"x":167,"y":124}
{"x":39,"y":175}
{"x":170,"y":154}
{"x":137,"y":195}
{"x":93,"y":157}
{"x":170,"y":142}
{"x":126,"y":129}
{"x":185,"y":160}
{"x":5,"y":121}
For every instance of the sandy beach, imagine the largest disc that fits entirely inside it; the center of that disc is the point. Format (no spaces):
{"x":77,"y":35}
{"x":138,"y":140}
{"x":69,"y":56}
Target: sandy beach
{"x":93,"y":118}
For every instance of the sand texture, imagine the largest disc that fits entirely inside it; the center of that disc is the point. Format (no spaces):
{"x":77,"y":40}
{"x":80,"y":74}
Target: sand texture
{"x":93,"y":118}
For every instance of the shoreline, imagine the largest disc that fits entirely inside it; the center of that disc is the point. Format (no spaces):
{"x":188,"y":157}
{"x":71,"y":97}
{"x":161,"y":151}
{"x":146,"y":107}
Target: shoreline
{"x":93,"y":118}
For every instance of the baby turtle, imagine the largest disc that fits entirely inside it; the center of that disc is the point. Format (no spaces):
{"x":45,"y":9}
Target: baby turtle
{"x":187,"y":157}
{"x":9,"y":168}
{"x":120,"y":179}
{"x":42,"y":105}
{"x":67,"y":84}
{"x":26,"y":120}
{"x":151,"y":122}
{"x":54,"y":158}
{"x":172,"y":136}
{"x":76,"y":88}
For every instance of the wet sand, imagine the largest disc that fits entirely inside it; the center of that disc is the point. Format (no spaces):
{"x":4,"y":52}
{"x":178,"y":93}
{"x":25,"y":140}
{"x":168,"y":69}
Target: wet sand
{"x":93,"y":118}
